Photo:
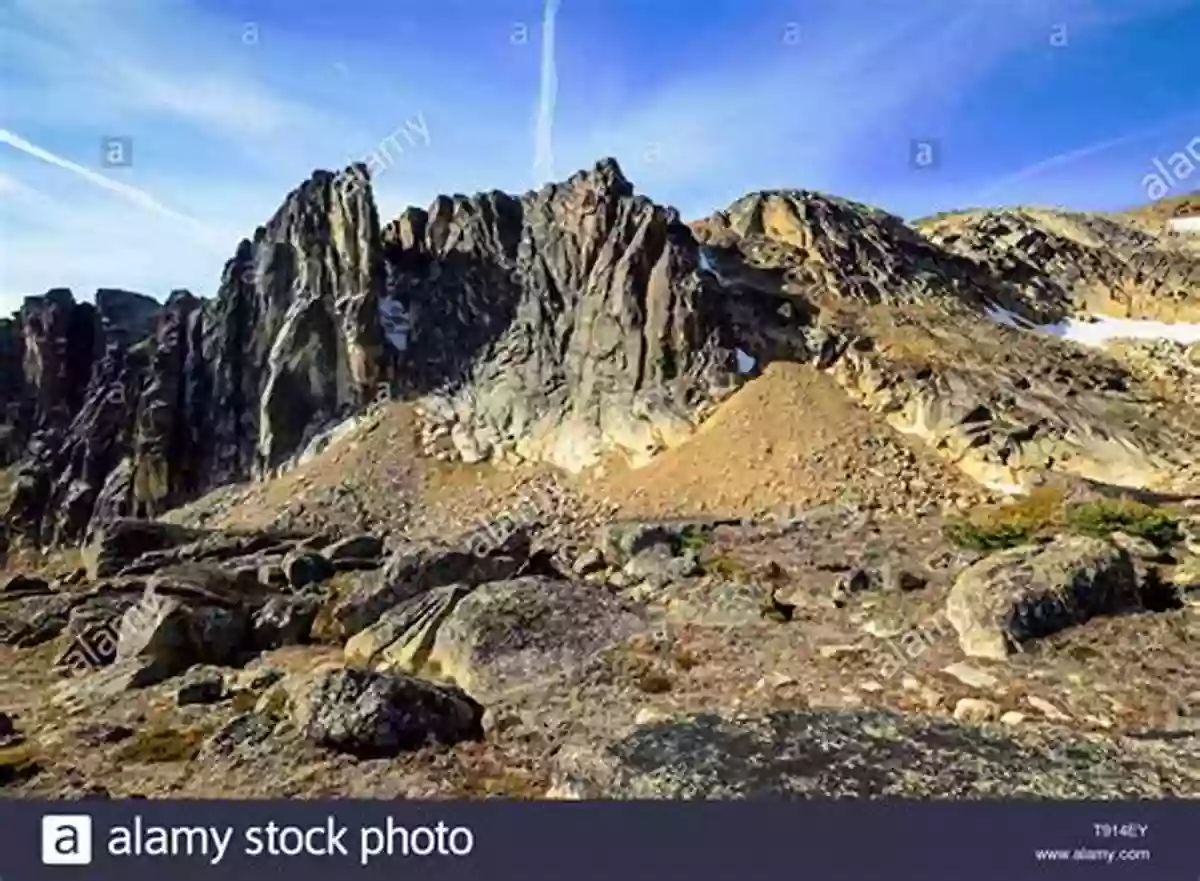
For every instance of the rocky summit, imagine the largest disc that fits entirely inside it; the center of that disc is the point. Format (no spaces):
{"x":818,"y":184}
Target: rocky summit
{"x":557,"y":495}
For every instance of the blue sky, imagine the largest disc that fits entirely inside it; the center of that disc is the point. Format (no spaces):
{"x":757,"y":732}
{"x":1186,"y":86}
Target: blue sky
{"x":229,"y":104}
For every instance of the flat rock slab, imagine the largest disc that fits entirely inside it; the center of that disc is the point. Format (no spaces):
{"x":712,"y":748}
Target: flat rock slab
{"x":120,"y":542}
{"x":854,"y":754}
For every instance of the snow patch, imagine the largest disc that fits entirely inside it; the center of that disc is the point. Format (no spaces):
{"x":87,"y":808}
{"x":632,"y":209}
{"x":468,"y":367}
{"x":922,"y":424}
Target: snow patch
{"x":745,"y":362}
{"x":393,"y":317}
{"x":1098,"y":330}
{"x":708,"y":264}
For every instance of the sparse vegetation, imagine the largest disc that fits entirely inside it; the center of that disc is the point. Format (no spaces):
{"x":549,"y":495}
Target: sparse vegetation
{"x":1134,"y":518}
{"x":164,"y":744}
{"x":654,"y":682}
{"x":326,"y":628}
{"x":995,"y":527}
{"x":726,"y":566}
{"x":693,"y":539}
{"x":1045,"y":512}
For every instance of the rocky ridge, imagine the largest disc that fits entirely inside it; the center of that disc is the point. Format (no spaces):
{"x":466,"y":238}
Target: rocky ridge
{"x":904,"y":328}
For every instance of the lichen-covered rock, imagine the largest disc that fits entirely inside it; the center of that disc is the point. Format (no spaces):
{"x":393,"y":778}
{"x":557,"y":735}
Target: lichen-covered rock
{"x":1035,"y":590}
{"x":403,"y":636}
{"x":851,"y":754}
{"x":514,"y":634}
{"x":304,"y":567}
{"x":283,"y":620}
{"x":167,"y":635}
{"x":378,"y":714}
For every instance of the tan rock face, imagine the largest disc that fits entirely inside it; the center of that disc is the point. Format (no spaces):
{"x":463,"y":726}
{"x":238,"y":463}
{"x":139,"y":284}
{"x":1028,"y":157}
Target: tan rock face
{"x":1109,"y":265}
{"x":1027,"y":592}
{"x":901,"y":322}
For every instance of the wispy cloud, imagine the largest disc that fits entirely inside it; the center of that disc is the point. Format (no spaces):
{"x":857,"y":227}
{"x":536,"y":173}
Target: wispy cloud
{"x":125,"y":191}
{"x":847,"y":96}
{"x":543,"y":157}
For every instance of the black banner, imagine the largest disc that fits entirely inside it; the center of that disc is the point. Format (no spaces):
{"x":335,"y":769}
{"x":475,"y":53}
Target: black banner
{"x":611,"y":841}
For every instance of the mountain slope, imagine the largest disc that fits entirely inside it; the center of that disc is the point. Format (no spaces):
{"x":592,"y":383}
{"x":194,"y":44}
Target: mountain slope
{"x":902,"y":322}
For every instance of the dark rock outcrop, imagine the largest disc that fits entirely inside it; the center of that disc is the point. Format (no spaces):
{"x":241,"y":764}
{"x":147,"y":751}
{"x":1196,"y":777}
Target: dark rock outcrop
{"x":381,"y":714}
{"x":128,"y":407}
{"x":557,"y":325}
{"x":573,"y":321}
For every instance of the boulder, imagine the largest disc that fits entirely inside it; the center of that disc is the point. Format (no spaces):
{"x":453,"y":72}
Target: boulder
{"x":27,"y":621}
{"x":22,"y":584}
{"x":510,"y":634}
{"x":368,"y":713}
{"x":417,"y":567}
{"x":354,"y":549}
{"x":201,"y":685}
{"x":1032,"y":591}
{"x":168,"y":635}
{"x":119,"y":543}
{"x":403,"y":636}
{"x":304,"y":567}
{"x":283,"y":620}
{"x":93,"y":631}
{"x":622,"y":540}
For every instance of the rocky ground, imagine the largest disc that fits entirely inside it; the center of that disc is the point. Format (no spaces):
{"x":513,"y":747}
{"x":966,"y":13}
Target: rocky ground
{"x":829,"y":650}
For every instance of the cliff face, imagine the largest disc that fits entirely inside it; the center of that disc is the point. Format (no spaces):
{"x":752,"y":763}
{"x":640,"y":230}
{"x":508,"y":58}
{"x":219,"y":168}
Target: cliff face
{"x":552,"y":326}
{"x":556,"y":326}
{"x":292,"y":341}
{"x":905,"y":322}
{"x":131,"y":407}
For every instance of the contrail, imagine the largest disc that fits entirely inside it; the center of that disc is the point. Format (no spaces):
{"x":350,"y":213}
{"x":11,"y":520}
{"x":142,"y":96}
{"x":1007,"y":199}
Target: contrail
{"x":543,"y":157}
{"x":132,"y":194}
{"x":1072,"y":156}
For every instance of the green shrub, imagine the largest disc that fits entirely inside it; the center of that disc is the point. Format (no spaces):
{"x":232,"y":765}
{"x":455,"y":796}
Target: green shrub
{"x":1044,"y":512}
{"x":987,"y":537}
{"x":1103,"y":518}
{"x":693,"y":539}
{"x":995,"y":527}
